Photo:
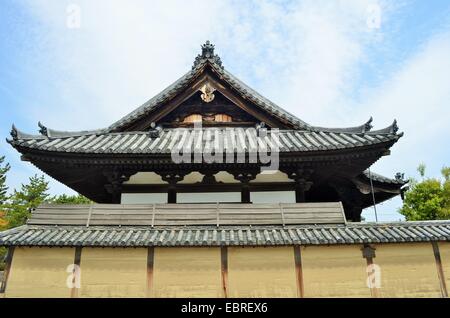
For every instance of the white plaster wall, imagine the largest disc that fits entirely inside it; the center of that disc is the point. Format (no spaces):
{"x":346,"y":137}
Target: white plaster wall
{"x":208,"y":197}
{"x":273,"y":197}
{"x":143,"y":198}
{"x":145,"y":178}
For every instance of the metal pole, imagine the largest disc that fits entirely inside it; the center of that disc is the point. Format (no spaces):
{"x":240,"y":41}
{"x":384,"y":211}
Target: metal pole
{"x":373,"y":196}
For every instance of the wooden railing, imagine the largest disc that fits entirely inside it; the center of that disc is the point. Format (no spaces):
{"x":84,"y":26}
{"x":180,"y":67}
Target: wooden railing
{"x":189,"y":214}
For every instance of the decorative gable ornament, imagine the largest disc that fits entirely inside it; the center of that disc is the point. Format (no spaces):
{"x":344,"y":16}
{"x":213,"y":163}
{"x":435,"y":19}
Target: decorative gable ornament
{"x":207,"y":92}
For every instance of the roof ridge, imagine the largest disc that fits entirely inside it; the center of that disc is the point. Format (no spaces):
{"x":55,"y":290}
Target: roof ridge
{"x":182,"y":236}
{"x":398,"y":178}
{"x":52,"y":134}
{"x":366,"y":127}
{"x":391,"y":129}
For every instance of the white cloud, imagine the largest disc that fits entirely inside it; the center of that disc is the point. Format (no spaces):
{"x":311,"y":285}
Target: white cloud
{"x":124,"y":53}
{"x":304,"y":55}
{"x":417,"y":95}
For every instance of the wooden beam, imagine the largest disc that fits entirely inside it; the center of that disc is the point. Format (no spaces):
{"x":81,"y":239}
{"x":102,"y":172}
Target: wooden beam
{"x":159,"y":113}
{"x":440,"y":270}
{"x":150,"y":265}
{"x":258,"y":113}
{"x":196,"y":84}
{"x":76,"y":272}
{"x":299,"y":271}
{"x":224,"y":266}
{"x":9,"y":258}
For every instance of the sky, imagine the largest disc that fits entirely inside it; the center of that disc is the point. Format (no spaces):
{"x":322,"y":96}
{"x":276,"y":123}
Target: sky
{"x":76,"y":65}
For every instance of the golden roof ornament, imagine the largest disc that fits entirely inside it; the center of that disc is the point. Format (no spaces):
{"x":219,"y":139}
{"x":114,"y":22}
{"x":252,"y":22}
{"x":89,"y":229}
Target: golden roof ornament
{"x":207,"y":92}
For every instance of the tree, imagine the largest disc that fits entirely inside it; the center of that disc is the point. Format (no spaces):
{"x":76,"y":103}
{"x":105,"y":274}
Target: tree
{"x":71,"y":199}
{"x":428,"y":199}
{"x":3,"y":188}
{"x":29,"y":197}
{"x":3,"y":197}
{"x":3,"y":192}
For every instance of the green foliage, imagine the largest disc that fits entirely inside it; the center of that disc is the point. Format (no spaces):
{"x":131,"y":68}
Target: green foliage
{"x":3,"y":252}
{"x":29,"y":197}
{"x":16,"y":209}
{"x":3,"y":188}
{"x":4,"y":168}
{"x":71,"y":199}
{"x":428,"y":199}
{"x":421,"y":169}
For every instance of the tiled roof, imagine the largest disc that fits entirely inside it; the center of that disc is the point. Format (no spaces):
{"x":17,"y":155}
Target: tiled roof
{"x":398,"y":180}
{"x":231,"y":139}
{"x":127,"y":236}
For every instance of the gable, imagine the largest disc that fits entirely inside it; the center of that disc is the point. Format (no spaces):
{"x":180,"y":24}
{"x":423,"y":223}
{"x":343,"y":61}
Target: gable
{"x":219,"y":111}
{"x":206,"y":95}
{"x":208,"y":70}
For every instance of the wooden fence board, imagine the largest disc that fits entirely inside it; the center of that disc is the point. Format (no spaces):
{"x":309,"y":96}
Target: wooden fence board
{"x":189,"y":214}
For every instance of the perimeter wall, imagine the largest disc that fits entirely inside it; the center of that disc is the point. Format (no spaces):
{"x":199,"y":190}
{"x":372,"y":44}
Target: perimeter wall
{"x":392,"y":270}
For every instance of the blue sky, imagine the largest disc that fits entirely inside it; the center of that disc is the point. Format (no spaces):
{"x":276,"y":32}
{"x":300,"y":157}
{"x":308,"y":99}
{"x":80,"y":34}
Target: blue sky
{"x":322,"y":60}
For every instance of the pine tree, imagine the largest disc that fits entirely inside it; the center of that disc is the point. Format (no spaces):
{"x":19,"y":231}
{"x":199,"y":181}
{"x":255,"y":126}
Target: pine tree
{"x":3,"y":197}
{"x":3,"y":188}
{"x":29,"y":197}
{"x":71,"y":199}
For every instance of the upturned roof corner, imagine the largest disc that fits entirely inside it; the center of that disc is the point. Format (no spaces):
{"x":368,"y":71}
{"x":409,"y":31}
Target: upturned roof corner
{"x":16,"y":134}
{"x":42,"y":129}
{"x":391,"y":129}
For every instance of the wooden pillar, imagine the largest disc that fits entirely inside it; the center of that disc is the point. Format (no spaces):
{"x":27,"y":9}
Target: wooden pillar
{"x":224,"y":267}
{"x":76,"y":272}
{"x":301,"y":176}
{"x":299,"y":193}
{"x":115,"y":179}
{"x":245,"y":178}
{"x":172,"y":178}
{"x":299,"y":271}
{"x":172,"y":194}
{"x":150,"y":264}
{"x":368,"y":253}
{"x":440,"y":270}
{"x":245,"y":194}
{"x":9,"y":258}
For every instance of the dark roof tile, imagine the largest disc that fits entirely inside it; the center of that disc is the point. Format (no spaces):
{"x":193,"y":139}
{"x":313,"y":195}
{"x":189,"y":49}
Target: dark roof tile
{"x":129,"y":236}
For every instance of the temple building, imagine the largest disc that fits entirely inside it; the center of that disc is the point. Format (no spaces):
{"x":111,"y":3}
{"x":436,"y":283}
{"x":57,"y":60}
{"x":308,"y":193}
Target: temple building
{"x":209,"y":189}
